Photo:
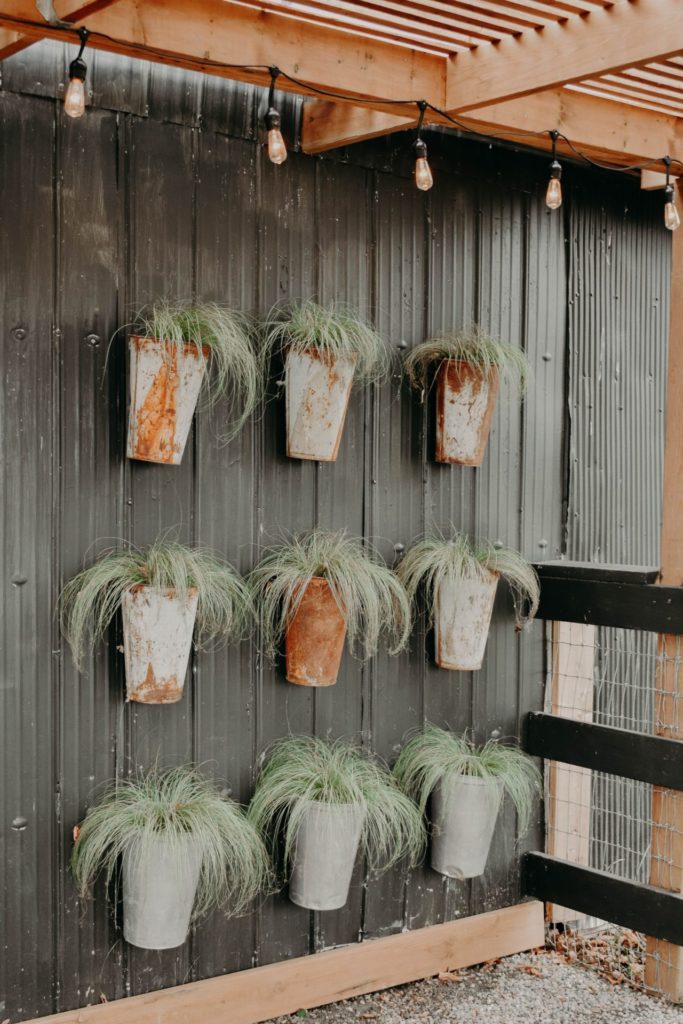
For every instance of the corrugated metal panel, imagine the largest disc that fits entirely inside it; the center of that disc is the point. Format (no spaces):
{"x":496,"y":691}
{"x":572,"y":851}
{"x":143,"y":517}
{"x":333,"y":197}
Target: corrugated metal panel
{"x":618,"y":325}
{"x":164,"y":191}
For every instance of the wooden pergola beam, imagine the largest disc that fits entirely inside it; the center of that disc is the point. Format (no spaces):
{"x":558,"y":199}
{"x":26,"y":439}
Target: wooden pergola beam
{"x":13,"y":42}
{"x":606,"y":40}
{"x":601,"y":128}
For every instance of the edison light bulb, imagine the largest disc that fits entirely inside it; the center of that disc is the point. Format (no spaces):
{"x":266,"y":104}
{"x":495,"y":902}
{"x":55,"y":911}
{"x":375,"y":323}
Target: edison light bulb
{"x":423,"y":173}
{"x":277,"y":151}
{"x":672,"y":219}
{"x":553,"y":195}
{"x":74,"y":98}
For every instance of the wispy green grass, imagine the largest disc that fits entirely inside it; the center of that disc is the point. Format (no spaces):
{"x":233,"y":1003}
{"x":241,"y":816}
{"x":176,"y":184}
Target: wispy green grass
{"x":368,"y":594}
{"x":336,"y":332}
{"x":173,"y":804}
{"x":301,"y":769}
{"x":89,"y":601}
{"x":472,"y":346}
{"x":455,"y":559}
{"x":435,"y":754}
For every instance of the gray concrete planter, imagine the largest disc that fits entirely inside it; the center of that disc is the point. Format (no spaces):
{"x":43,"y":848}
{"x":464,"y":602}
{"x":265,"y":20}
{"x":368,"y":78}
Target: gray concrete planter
{"x":159,"y":885}
{"x":325,"y":855}
{"x":464,"y":812}
{"x":462,"y":618}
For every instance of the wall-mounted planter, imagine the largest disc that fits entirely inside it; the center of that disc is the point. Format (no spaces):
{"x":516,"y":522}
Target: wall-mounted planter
{"x":464,"y":814}
{"x":462,"y":617}
{"x":157,"y":637}
{"x":314,"y":642}
{"x":160,"y":878}
{"x":325,"y":855}
{"x":165,"y":381}
{"x":318,"y":390}
{"x":465,"y":402}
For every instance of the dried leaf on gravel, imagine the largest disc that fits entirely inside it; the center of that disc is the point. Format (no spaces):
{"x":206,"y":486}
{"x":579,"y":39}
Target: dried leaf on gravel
{"x":450,"y":976}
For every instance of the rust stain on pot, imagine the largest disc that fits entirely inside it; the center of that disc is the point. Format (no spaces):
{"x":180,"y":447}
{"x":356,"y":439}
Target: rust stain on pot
{"x":315,"y":637}
{"x":157,"y":691}
{"x":463,"y":385}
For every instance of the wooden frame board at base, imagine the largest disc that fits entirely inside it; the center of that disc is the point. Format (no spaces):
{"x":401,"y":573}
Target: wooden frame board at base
{"x":302,"y":983}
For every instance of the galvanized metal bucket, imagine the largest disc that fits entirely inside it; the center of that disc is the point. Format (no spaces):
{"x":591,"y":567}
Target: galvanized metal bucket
{"x":315,"y":637}
{"x":325,"y":855}
{"x":464,"y":812}
{"x":465,"y":402}
{"x":462,"y":617}
{"x":160,"y":879}
{"x":165,"y":381}
{"x":157,"y":637}
{"x":318,"y":390}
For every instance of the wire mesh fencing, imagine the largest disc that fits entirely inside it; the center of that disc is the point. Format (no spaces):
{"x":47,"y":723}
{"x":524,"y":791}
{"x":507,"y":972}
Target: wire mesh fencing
{"x":629,"y":680}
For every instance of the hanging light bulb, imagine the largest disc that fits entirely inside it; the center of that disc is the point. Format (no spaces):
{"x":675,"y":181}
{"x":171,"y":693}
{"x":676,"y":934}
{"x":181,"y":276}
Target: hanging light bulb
{"x":423,"y":172}
{"x":277,"y":150}
{"x":74,"y":97}
{"x":553,"y":194}
{"x":672,"y":218}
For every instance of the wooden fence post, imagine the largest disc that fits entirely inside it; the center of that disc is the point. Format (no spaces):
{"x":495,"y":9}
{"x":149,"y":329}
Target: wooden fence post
{"x":664,"y":964}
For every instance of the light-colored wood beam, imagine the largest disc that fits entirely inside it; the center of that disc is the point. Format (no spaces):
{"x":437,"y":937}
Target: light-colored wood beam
{"x":278,"y":989}
{"x":14,"y":42}
{"x":602,"y":129}
{"x":606,"y":40}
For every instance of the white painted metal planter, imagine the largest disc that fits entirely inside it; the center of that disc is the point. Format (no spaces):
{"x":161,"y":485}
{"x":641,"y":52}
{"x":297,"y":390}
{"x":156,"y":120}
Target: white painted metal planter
{"x":325,"y":855}
{"x":318,"y":390}
{"x":160,"y":880}
{"x":165,"y":381}
{"x":462,"y":617}
{"x":465,"y":402}
{"x":157,"y":637}
{"x":464,"y":813}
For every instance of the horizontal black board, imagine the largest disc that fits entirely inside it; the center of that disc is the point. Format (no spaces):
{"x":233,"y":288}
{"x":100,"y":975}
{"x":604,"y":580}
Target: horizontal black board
{"x":594,"y":571}
{"x":611,"y":603}
{"x":644,"y":908}
{"x":633,"y":755}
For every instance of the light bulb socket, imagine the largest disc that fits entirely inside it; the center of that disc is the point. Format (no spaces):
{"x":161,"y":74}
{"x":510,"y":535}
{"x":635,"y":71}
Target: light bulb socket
{"x":556,"y":169}
{"x":420,"y":147}
{"x":669,"y":195}
{"x":78,"y":69}
{"x":273,"y":119}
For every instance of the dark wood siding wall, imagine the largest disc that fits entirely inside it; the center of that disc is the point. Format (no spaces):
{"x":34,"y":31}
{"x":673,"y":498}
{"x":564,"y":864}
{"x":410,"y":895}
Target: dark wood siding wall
{"x":163,"y":189}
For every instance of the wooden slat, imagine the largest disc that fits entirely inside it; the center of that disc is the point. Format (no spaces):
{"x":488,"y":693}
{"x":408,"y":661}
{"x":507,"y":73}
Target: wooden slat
{"x":14,"y":42}
{"x":664,"y":963}
{"x":277,"y":989}
{"x":605,"y":41}
{"x":644,"y":908}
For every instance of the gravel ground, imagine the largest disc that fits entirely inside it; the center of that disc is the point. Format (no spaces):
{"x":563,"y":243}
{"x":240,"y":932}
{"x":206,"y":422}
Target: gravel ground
{"x":524,"y":989}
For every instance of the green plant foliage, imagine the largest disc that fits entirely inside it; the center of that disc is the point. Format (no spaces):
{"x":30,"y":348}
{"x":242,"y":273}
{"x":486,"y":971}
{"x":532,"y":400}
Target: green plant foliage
{"x":435,"y":753}
{"x":470,"y":346}
{"x":89,"y":601}
{"x":336,"y":332}
{"x":301,"y":769}
{"x":237,"y":360}
{"x":369,"y":595}
{"x":436,"y":558}
{"x":172,"y":803}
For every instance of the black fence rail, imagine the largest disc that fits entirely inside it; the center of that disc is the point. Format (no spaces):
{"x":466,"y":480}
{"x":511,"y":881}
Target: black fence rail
{"x":618,"y":597}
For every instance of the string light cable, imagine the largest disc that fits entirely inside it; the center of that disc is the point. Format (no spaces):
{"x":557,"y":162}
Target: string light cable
{"x":74,"y":102}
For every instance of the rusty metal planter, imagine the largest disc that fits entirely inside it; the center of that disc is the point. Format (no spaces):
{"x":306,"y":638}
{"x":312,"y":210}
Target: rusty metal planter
{"x":157,"y":637}
{"x":462,"y":617}
{"x":465,"y":402}
{"x":315,"y":637}
{"x":318,"y":390}
{"x":165,"y":381}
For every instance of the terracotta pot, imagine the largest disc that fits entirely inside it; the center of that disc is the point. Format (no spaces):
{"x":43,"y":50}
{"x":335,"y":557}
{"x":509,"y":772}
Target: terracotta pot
{"x":318,"y":390}
{"x":160,"y":881}
{"x":315,"y":637}
{"x":165,"y":381}
{"x":157,"y":637}
{"x":464,"y":812}
{"x":325,"y":855}
{"x":465,"y":401}
{"x":462,"y":617}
